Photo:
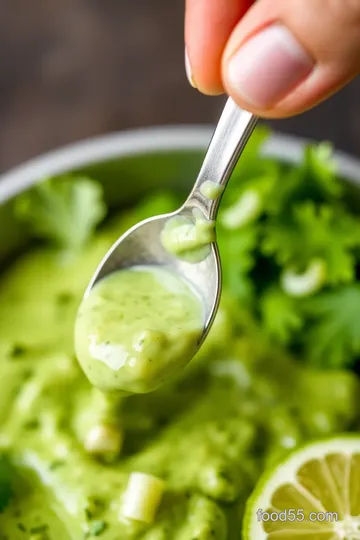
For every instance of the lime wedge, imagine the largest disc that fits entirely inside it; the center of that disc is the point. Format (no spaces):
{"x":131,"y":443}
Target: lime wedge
{"x":314,"y":494}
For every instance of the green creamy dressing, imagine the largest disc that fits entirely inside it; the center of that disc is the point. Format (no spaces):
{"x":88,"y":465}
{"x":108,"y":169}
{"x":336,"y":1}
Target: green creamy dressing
{"x":207,"y":434}
{"x":211,"y":190}
{"x":188,"y":238}
{"x":136,"y":328}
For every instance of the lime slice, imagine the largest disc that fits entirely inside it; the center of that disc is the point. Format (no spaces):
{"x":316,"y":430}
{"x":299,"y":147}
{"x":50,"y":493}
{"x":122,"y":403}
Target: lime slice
{"x":314,"y":494}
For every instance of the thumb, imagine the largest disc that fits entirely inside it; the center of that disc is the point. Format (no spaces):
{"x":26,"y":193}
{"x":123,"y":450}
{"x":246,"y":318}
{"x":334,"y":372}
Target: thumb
{"x":284,"y":57}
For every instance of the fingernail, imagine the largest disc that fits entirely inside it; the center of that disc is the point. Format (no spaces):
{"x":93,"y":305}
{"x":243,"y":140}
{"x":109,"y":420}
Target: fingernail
{"x":188,"y":70}
{"x":268,"y":66}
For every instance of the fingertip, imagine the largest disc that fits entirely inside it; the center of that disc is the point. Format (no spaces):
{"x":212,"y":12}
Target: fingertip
{"x":188,"y":69}
{"x":321,"y":83}
{"x":284,"y":58}
{"x":203,"y":81}
{"x":208,"y":25}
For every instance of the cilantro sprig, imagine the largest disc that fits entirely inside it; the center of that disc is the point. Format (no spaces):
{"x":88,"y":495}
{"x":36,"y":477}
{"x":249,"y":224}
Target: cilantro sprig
{"x":310,"y":230}
{"x":302,"y":230}
{"x":63,"y":211}
{"x":333,"y":335}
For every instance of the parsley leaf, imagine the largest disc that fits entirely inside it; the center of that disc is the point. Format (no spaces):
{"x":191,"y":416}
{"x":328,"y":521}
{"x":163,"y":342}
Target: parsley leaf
{"x":333,"y":338}
{"x":63,"y":210}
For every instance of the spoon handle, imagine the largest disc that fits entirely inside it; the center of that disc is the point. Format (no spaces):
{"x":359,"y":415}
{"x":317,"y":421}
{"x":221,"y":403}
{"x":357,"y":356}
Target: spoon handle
{"x":228,"y":141}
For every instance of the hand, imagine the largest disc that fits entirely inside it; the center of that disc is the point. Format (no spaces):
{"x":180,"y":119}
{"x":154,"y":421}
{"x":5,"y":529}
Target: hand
{"x":276,"y":58}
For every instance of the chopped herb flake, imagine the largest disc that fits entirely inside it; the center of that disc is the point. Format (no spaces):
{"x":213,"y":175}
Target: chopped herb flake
{"x":56,"y":464}
{"x":65,"y":298}
{"x":17,"y":352}
{"x":88,"y":514}
{"x":32,"y":424}
{"x":39,"y":528}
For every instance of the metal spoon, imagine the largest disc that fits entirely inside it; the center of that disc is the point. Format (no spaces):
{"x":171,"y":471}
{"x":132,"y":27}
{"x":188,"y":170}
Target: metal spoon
{"x":141,"y":244}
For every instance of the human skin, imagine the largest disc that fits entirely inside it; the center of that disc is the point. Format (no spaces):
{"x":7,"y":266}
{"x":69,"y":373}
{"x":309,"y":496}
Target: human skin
{"x":275,"y":58}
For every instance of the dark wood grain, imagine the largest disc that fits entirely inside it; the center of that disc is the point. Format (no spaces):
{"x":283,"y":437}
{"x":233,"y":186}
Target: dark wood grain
{"x":76,"y":68}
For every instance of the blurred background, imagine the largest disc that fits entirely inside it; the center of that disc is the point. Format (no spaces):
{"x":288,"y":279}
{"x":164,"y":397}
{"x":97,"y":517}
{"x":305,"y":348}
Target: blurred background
{"x":72,"y":69}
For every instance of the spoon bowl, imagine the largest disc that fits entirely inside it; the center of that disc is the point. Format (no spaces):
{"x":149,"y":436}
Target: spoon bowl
{"x":142,"y":244}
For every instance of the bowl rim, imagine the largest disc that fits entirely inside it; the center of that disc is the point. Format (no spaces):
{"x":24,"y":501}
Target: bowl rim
{"x":287,"y":148}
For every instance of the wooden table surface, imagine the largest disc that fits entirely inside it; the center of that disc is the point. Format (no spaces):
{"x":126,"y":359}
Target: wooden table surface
{"x":71,"y":69}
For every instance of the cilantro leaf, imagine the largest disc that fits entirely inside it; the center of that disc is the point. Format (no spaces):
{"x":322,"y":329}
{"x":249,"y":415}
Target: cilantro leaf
{"x":238,"y":258}
{"x":313,"y":179}
{"x":280,"y":314}
{"x":302,"y":218}
{"x":63,"y":210}
{"x":6,"y":478}
{"x":333,"y":338}
{"x":315,"y":231}
{"x":319,"y":171}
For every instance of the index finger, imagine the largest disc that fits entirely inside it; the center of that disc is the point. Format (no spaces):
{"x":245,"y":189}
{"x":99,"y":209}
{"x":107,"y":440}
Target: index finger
{"x":208,"y":26}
